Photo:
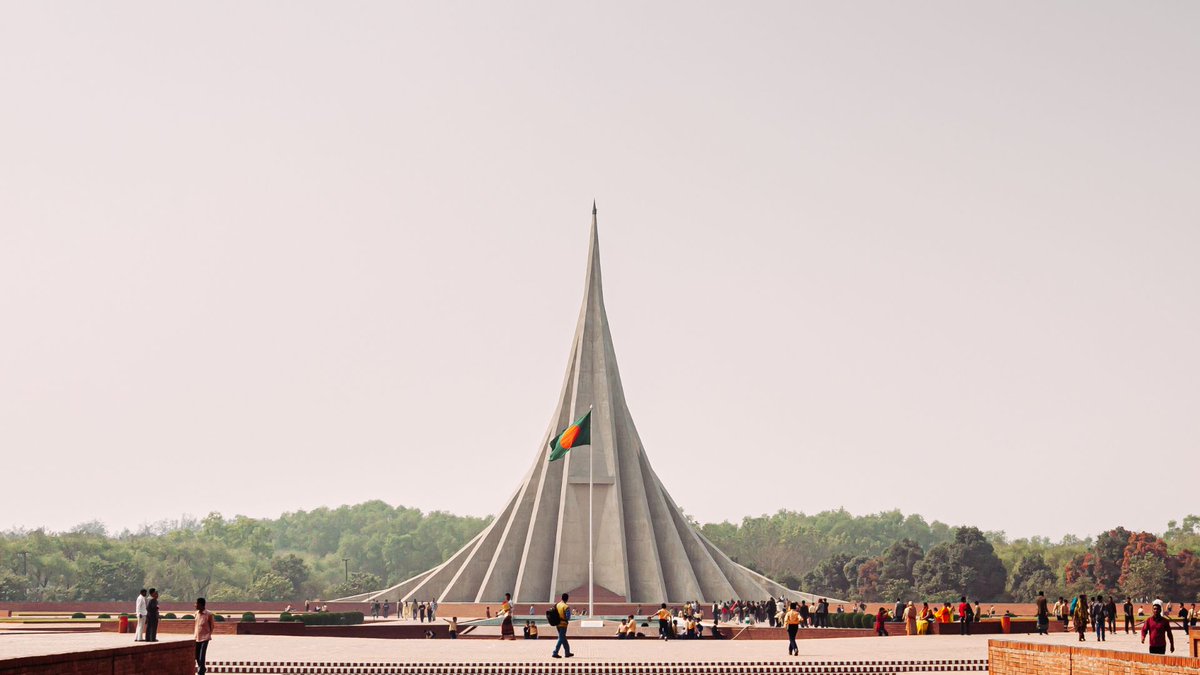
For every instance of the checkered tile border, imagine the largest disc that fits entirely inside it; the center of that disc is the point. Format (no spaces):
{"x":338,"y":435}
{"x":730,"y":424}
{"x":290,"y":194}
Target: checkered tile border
{"x":564,"y":667}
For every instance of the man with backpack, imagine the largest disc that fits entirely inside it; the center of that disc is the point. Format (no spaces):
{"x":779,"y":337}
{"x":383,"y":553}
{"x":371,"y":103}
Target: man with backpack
{"x":559,"y":616}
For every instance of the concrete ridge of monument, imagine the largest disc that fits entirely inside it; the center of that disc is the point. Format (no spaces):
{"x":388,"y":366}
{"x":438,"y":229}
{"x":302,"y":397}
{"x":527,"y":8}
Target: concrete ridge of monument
{"x":644,"y":549}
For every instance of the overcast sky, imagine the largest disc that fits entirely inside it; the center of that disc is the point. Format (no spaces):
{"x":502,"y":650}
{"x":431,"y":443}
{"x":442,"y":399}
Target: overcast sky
{"x":935,"y":256}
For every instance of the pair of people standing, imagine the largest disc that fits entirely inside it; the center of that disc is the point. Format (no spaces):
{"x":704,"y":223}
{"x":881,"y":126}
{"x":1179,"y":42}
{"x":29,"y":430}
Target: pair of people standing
{"x":147,"y":616}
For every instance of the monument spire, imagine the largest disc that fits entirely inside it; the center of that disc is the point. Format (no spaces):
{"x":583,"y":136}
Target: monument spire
{"x":599,"y":521}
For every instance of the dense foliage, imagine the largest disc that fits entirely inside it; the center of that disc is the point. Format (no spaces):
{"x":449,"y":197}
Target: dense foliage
{"x":328,"y":553}
{"x":885,"y":556}
{"x":296,"y":556}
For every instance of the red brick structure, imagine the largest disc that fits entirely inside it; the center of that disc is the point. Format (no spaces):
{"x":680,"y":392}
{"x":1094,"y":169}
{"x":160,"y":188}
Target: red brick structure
{"x":166,"y":658}
{"x":1020,"y":658}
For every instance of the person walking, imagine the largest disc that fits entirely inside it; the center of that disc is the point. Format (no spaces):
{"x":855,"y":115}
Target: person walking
{"x":202,"y":633}
{"x":1098,"y":618}
{"x":387,"y":608}
{"x":421,"y":611}
{"x":140,"y":613}
{"x":1043,"y":615}
{"x":964,"y":616}
{"x":665,"y":630}
{"x":881,"y":618}
{"x":791,"y":620}
{"x":152,"y":617}
{"x":1183,"y":618}
{"x":1080,"y":617}
{"x":564,"y":620}
{"x":1158,"y":627}
{"x":1110,"y":614}
{"x":1130,"y":625}
{"x":374,"y":610}
{"x":506,"y":624}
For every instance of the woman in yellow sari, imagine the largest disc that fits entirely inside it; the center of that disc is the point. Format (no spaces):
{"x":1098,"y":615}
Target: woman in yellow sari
{"x":506,"y":625}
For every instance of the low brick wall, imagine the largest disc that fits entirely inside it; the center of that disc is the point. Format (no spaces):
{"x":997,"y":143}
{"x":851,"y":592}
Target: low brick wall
{"x":173,"y":627}
{"x":165,"y":658}
{"x":1020,"y":658}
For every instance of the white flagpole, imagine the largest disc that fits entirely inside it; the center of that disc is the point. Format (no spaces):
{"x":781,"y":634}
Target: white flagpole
{"x":591,"y":476}
{"x":591,"y":580}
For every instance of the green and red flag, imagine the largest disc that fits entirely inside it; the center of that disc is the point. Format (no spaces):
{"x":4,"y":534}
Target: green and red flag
{"x":577,"y":434}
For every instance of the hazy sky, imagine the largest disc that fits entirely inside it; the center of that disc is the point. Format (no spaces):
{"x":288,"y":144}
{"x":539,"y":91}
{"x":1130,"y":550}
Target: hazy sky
{"x":265,"y":256}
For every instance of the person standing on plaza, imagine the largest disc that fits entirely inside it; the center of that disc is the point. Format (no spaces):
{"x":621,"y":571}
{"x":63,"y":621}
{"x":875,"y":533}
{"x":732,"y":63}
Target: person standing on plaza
{"x":421,"y":611}
{"x":152,"y":617}
{"x":1183,"y":618}
{"x":140,"y":613}
{"x":1043,"y":615}
{"x":453,"y":621}
{"x":964,"y":616}
{"x":202,"y":633}
{"x":881,"y":622}
{"x":374,"y":610}
{"x":1130,"y":625}
{"x":1110,"y":614}
{"x":1158,"y":627}
{"x":1080,"y":617}
{"x":791,"y":620}
{"x":910,"y":619}
{"x":898,"y":611}
{"x":387,"y":608}
{"x":564,"y":620}
{"x":506,"y":623}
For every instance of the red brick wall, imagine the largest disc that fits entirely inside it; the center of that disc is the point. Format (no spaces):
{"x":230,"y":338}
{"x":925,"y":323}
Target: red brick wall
{"x":168,"y":658}
{"x":1019,"y":658}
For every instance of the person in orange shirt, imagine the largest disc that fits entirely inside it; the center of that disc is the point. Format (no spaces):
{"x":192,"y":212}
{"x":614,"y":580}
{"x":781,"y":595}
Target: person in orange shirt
{"x":792,"y":621}
{"x":202,"y":633}
{"x":665,"y":630}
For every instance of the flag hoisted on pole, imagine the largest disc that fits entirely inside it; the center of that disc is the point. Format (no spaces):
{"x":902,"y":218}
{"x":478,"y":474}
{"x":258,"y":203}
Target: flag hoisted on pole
{"x":577,"y":434}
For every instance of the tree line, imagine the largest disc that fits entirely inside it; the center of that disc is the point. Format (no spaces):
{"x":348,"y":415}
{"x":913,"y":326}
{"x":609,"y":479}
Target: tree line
{"x":327,"y":553}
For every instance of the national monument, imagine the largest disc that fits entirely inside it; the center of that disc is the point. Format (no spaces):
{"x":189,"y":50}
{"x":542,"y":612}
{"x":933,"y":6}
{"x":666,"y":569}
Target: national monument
{"x":644,"y":549}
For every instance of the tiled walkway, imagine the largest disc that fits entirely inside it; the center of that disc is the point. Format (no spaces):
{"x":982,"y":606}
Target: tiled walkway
{"x":362,"y":656}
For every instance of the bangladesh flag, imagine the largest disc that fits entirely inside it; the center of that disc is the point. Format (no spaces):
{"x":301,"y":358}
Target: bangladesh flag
{"x":575,"y":435}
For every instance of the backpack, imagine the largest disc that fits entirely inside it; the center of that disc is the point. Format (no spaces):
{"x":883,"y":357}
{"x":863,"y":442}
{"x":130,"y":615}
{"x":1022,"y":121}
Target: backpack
{"x":552,"y":616}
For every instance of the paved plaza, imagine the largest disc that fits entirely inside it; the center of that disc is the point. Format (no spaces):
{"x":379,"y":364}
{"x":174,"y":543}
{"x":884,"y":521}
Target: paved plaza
{"x":312,"y":650}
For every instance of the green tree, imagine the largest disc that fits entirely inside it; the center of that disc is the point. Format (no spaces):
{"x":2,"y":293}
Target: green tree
{"x":360,"y":582}
{"x":271,"y":586}
{"x":99,"y":579}
{"x":293,"y":568}
{"x":1032,"y":574}
{"x":1145,"y":577}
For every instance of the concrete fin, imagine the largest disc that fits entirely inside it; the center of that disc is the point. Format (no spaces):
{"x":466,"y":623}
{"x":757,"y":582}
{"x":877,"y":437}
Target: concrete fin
{"x":644,"y":548}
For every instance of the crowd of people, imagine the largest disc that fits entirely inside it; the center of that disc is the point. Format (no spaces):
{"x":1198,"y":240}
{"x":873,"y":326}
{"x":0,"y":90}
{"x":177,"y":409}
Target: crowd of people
{"x":409,"y":610}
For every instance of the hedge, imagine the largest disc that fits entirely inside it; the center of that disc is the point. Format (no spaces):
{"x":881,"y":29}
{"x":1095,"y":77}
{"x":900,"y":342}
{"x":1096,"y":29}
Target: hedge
{"x":330,"y":618}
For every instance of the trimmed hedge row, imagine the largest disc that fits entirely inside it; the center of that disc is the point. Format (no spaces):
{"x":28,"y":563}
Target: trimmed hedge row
{"x":329,"y":618}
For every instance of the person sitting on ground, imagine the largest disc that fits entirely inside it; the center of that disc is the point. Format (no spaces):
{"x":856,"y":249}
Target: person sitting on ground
{"x":525,"y":629}
{"x":631,"y":627}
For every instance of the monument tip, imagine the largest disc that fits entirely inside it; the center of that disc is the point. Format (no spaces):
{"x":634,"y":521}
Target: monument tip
{"x":593,"y":207}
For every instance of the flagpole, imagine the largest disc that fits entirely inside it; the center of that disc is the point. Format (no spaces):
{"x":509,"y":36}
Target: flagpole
{"x":591,"y":580}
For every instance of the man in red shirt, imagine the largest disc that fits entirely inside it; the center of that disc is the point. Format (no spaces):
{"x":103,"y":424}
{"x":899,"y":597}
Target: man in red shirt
{"x":1159,"y":628}
{"x":964,"y":616}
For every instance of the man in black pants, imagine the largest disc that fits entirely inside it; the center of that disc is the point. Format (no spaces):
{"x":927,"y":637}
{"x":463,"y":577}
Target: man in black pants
{"x":964,"y":616}
{"x":1110,"y":612}
{"x":1130,"y":626}
{"x":152,"y":616}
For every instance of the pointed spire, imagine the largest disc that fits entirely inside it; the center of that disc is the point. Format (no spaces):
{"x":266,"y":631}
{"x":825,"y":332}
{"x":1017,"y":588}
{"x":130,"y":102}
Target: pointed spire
{"x":542,"y":542}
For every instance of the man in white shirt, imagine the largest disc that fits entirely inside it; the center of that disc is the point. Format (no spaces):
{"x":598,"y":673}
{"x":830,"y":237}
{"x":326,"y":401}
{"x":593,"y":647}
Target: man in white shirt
{"x":140,"y":609}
